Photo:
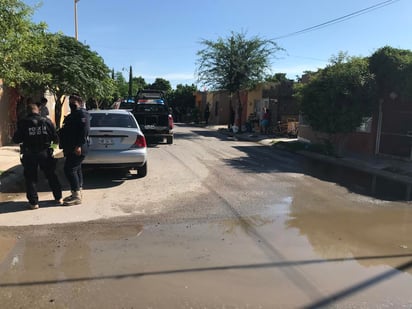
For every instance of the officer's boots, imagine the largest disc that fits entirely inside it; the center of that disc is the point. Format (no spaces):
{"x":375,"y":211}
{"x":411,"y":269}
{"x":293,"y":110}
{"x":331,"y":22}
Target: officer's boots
{"x":74,"y":199}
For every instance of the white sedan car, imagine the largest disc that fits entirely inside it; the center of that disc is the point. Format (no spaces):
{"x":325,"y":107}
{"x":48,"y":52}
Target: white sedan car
{"x":116,"y":141}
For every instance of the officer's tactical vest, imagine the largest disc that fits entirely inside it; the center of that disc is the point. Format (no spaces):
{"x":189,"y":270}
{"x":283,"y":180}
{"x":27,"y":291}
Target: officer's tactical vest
{"x":37,"y":136}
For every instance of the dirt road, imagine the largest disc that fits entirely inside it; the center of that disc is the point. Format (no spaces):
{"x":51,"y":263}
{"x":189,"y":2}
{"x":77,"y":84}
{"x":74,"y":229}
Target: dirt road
{"x":216,"y":223}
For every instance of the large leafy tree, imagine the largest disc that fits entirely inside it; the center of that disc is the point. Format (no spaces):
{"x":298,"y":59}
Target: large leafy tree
{"x":235,"y":63}
{"x":161,"y":84}
{"x":392,"y":68}
{"x":182,"y":100}
{"x":277,"y":78}
{"x":139,"y":83}
{"x":21,"y":41}
{"x":74,"y":68}
{"x":121,"y":85}
{"x":337,"y":97}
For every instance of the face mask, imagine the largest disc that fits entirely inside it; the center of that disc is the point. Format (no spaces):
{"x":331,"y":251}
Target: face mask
{"x":73,"y":106}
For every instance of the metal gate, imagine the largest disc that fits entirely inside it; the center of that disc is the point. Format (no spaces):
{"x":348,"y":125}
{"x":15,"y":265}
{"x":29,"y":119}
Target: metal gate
{"x":396,"y":132}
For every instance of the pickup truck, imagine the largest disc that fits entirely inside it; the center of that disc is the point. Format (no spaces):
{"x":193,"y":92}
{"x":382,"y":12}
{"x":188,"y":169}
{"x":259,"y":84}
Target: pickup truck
{"x":153,"y":115}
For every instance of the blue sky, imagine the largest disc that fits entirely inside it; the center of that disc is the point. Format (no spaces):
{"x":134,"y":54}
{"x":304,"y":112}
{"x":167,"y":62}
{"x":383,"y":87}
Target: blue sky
{"x":160,"y":38}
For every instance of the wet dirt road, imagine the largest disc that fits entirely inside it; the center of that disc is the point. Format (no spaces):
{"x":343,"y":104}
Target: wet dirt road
{"x":217,"y":223}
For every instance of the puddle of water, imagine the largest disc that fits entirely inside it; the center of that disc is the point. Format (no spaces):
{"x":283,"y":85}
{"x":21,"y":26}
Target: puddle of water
{"x":339,"y":227}
{"x":237,"y":261}
{"x":359,"y":182}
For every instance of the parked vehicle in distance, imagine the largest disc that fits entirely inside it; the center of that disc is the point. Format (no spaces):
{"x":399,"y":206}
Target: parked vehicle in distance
{"x":116,"y":141}
{"x":127,"y":104}
{"x":153,"y":115}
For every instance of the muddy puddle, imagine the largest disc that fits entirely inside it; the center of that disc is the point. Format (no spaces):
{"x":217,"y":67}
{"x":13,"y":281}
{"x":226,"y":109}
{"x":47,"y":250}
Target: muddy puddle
{"x":360,"y":182}
{"x":293,"y":254}
{"x":330,"y":237}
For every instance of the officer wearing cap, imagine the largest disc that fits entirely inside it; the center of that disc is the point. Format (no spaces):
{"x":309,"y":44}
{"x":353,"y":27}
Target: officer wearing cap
{"x":36,"y":133}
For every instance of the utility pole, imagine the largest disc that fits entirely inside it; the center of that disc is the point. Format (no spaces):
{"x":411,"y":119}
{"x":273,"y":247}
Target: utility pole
{"x":75,"y":20}
{"x":130,"y":82}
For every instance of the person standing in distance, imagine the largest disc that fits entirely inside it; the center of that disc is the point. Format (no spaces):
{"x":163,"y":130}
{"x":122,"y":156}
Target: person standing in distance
{"x":74,"y":142}
{"x":36,"y":134}
{"x":44,"y":111}
{"x":206,"y":113}
{"x":264,"y":123}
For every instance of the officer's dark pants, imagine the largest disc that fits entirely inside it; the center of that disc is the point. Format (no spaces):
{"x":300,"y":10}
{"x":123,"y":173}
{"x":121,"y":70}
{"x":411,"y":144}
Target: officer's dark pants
{"x":31,"y":163}
{"x":73,"y":171}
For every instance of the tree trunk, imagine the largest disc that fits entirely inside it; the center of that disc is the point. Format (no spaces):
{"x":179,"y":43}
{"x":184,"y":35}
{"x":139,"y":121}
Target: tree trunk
{"x":58,"y":108}
{"x":239,"y":111}
{"x":232,"y":115}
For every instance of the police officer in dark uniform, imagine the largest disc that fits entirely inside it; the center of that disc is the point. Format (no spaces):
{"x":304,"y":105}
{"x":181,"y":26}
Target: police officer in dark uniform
{"x":36,"y":134}
{"x":74,"y":142}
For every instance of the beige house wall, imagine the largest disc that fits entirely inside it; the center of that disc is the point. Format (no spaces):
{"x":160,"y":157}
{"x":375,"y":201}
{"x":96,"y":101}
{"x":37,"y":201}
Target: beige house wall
{"x":252,"y":104}
{"x":219,"y":102}
{"x":254,"y":99}
{"x":51,"y":104}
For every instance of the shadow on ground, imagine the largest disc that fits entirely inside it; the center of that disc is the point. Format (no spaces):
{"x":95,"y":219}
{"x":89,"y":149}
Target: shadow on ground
{"x":266,"y":159}
{"x":94,"y":178}
{"x":12,"y":206}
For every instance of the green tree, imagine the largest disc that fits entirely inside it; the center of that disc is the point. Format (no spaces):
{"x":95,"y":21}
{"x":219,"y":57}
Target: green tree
{"x":336,"y":98}
{"x":161,"y":84}
{"x":76,"y":69}
{"x":182,"y":100}
{"x":235,"y":63}
{"x":277,"y":78}
{"x":121,"y":86}
{"x":392,"y":68}
{"x":139,"y":83}
{"x":21,"y":41}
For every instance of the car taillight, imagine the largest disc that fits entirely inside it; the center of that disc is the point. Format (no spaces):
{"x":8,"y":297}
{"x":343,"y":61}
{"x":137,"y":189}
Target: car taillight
{"x":171,"y":122}
{"x":140,"y":142}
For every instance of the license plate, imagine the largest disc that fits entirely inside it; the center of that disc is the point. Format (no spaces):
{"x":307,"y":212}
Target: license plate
{"x":105,"y":141}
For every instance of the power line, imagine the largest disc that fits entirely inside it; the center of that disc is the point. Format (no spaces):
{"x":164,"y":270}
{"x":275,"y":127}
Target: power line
{"x":339,"y":19}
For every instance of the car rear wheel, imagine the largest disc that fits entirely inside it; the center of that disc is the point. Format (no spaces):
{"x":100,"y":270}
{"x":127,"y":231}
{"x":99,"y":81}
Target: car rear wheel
{"x":169,"y":139}
{"x":142,"y":170}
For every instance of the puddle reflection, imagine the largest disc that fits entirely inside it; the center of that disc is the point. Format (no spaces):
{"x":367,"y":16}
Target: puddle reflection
{"x":359,"y":181}
{"x":232,"y":226}
{"x":340,"y":230}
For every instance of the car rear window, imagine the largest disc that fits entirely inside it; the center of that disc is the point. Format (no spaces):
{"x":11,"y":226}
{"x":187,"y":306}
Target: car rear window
{"x":112,"y":120}
{"x":154,"y":108}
